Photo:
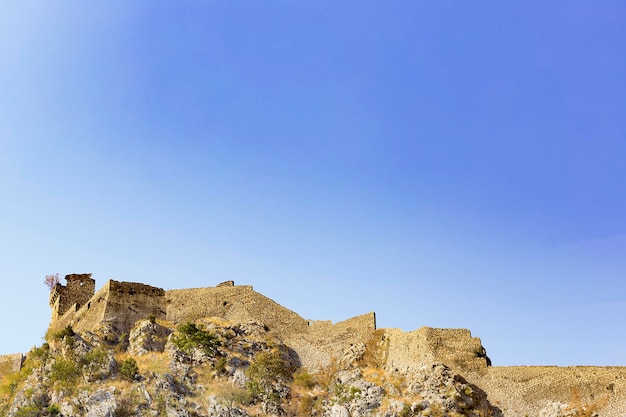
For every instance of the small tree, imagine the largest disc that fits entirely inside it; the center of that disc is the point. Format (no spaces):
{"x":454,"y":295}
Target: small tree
{"x":267,"y":375}
{"x":51,"y":281}
{"x":191,"y":337}
{"x":129,"y":369}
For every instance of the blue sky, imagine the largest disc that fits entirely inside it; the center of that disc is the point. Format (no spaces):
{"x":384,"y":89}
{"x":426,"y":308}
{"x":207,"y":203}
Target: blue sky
{"x":445,"y":164}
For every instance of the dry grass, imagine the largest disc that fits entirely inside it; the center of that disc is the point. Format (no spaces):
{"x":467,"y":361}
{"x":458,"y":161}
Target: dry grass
{"x":151,"y":362}
{"x":9,"y":382}
{"x":230,"y":395}
{"x":375,"y":351}
{"x":578,"y":408}
{"x":325,"y":377}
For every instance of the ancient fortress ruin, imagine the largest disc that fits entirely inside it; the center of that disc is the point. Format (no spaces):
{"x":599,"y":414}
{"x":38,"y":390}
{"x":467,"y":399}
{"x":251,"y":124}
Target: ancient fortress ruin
{"x":515,"y":390}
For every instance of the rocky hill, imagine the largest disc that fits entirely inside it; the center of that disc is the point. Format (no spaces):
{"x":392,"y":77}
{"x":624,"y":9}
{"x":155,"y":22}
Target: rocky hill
{"x":134,"y":350}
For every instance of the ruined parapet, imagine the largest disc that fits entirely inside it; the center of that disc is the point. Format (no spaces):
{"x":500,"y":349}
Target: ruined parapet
{"x":530,"y":390}
{"x":323,"y":342}
{"x":453,"y":347}
{"x":72,"y":296}
{"x":237,"y":303}
{"x":118,"y":304}
{"x":127,"y":302}
{"x":10,"y":364}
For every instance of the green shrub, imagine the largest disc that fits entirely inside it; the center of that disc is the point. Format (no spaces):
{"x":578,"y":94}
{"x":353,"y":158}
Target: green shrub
{"x":303,"y":378}
{"x":94,"y":361}
{"x":53,"y":409}
{"x":28,"y":411}
{"x":265,"y":373}
{"x":406,"y":411}
{"x":123,"y":342}
{"x":129,"y":368}
{"x":65,"y":372}
{"x":345,"y":394}
{"x":191,"y":337}
{"x":39,"y":353}
{"x":63,"y":333}
{"x":220,"y":366}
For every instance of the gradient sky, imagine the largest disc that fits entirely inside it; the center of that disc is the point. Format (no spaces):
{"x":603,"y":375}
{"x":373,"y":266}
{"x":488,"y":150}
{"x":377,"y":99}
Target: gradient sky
{"x":444,"y":164}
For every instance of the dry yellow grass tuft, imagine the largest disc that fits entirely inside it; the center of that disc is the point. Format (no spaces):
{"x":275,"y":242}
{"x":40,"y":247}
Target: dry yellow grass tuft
{"x":153,"y":362}
{"x":578,"y":408}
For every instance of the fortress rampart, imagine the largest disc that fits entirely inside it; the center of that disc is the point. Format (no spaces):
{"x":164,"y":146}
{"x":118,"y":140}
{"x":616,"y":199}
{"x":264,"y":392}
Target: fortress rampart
{"x":454,"y":347}
{"x":118,"y":305}
{"x":526,"y":390}
{"x":517,"y":391}
{"x":238,"y":303}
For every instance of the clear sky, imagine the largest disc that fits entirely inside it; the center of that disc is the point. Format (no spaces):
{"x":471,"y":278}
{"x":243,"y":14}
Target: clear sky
{"x":442,"y":163}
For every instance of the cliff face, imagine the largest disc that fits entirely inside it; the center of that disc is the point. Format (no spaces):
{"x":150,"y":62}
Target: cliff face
{"x":229,"y":341}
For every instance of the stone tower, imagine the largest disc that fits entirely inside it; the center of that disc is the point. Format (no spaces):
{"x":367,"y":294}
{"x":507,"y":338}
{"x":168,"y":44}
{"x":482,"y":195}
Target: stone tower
{"x":78,"y":291}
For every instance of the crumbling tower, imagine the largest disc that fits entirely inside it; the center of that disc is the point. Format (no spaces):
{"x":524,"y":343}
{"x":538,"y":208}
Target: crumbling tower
{"x":78,"y":291}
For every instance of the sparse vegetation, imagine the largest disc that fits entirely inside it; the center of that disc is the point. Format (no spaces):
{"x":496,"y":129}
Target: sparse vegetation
{"x":220,"y":366}
{"x":28,"y":411}
{"x":578,"y":408}
{"x":94,"y":363}
{"x":375,"y":348}
{"x":67,"y":331}
{"x":53,"y":409}
{"x":123,"y":342}
{"x":247,"y":368}
{"x":191,"y":337}
{"x":325,"y":377}
{"x":267,"y":374}
{"x":304,"y":379}
{"x":9,"y":382}
{"x":51,"y":281}
{"x":129,"y":369}
{"x":344,"y":394}
{"x":65,"y":373}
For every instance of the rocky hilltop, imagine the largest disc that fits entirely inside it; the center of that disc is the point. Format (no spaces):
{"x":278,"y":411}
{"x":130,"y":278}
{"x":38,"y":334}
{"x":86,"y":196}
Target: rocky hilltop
{"x":131,"y":349}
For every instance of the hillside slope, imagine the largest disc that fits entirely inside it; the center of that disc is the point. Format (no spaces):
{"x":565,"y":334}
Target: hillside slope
{"x":130,"y":349}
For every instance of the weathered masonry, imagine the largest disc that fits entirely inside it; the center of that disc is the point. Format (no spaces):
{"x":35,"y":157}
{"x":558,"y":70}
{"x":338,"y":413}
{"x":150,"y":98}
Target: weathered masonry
{"x":79,"y":290}
{"x":117,"y":306}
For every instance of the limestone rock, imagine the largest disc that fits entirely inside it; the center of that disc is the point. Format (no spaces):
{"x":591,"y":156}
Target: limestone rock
{"x":338,"y":410}
{"x":147,"y":336}
{"x":216,"y":409}
{"x":101,"y":404}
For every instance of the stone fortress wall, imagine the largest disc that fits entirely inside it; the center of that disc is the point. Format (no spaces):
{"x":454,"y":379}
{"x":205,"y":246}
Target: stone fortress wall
{"x":525,"y":390}
{"x":11,"y":363}
{"x":119,"y":305}
{"x":516,"y":390}
{"x":70,"y":297}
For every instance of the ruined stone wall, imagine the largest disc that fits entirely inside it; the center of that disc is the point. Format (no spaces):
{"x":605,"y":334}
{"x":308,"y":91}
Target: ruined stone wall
{"x":63,"y":298}
{"x":454,"y":347}
{"x":233,"y":303}
{"x":119,"y":304}
{"x":323,"y":342}
{"x":517,"y":391}
{"x":87,"y":317}
{"x":127,"y":302}
{"x":10,"y":364}
{"x":525,"y":390}
{"x":314,"y":342}
{"x":80,"y":288}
